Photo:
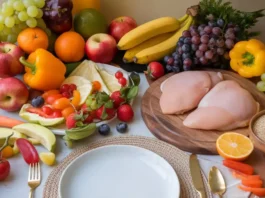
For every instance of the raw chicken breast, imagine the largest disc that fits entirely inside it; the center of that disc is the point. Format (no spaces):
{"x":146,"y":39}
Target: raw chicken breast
{"x":227,"y":106}
{"x":183,"y":92}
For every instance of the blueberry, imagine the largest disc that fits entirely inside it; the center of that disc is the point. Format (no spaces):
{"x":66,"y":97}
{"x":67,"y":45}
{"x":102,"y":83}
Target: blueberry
{"x":122,"y":127}
{"x":37,"y":102}
{"x":220,"y":22}
{"x":104,"y":129}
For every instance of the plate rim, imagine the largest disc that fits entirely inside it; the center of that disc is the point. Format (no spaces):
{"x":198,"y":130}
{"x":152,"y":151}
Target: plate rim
{"x":174,"y":174}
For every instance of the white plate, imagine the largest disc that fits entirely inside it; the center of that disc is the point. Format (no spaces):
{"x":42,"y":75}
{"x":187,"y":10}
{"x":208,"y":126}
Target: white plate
{"x":60,"y":130}
{"x":119,"y":171}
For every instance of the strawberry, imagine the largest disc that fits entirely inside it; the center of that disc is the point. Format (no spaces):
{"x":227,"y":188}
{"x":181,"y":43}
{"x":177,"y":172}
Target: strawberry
{"x":71,"y":121}
{"x":104,"y":113}
{"x":125,"y":113}
{"x":117,"y":99}
{"x":90,"y":117}
{"x":155,"y":70}
{"x":84,"y":108}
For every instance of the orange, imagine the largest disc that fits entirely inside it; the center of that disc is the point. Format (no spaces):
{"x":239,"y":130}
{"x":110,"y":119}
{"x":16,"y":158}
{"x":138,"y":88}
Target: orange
{"x":234,"y":146}
{"x":31,"y":39}
{"x":70,"y":47}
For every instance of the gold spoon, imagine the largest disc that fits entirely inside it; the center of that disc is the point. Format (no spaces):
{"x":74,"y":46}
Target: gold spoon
{"x":216,"y":182}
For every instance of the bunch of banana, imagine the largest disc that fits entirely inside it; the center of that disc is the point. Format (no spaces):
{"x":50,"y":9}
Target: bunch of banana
{"x":153,"y":40}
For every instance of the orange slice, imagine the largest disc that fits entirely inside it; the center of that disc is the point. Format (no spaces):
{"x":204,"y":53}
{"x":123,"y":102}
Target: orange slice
{"x":234,"y":146}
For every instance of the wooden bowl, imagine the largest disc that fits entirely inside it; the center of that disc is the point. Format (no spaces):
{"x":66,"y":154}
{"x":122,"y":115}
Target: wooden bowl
{"x":258,"y":143}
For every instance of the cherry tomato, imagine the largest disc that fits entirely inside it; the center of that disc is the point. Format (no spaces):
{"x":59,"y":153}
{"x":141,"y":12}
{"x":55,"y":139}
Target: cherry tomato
{"x":64,"y":88}
{"x":47,"y":110}
{"x":51,"y":98}
{"x":66,"y":94}
{"x":67,"y":111}
{"x":7,"y":152}
{"x":122,"y":81}
{"x":72,"y":87}
{"x":57,"y":114}
{"x":61,"y":103}
{"x":76,"y":98}
{"x":96,"y":86}
{"x":4,"y":169}
{"x":28,"y":151}
{"x":118,"y":74}
{"x":49,"y":93}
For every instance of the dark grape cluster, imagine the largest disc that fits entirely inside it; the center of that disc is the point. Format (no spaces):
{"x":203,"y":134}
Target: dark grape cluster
{"x":206,"y":45}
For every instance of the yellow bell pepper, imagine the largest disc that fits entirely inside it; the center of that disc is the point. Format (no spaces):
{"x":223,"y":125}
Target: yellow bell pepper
{"x":43,"y":70}
{"x":248,"y":58}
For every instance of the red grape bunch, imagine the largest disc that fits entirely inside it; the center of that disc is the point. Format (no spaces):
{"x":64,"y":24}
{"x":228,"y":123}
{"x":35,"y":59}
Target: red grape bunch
{"x":203,"y":46}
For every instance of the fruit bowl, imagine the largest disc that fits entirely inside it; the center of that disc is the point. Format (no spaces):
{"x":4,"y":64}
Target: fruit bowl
{"x":256,"y":130}
{"x":60,"y":129}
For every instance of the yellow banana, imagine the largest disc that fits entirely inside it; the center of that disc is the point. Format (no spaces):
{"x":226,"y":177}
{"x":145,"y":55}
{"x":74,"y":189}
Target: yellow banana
{"x":130,"y":53}
{"x":147,"y":31}
{"x":162,"y":49}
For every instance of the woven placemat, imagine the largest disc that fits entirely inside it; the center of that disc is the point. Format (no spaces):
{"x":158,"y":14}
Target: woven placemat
{"x":177,"y":158}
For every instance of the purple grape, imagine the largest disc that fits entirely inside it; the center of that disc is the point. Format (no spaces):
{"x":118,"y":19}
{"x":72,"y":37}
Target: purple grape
{"x":180,"y":43}
{"x":215,"y":58}
{"x":237,"y":29}
{"x":217,"y":31}
{"x":202,"y":33}
{"x":181,"y":39}
{"x":176,"y":69}
{"x":187,"y":62}
{"x":176,"y":63}
{"x":187,"y":40}
{"x":185,"y":48}
{"x":194,"y":47}
{"x":230,"y":36}
{"x":194,"y":33}
{"x":193,"y":27}
{"x":211,"y":43}
{"x":168,"y":68}
{"x":180,"y":50}
{"x":203,"y":61}
{"x":186,"y":34}
{"x":220,"y":51}
{"x":212,"y":23}
{"x":174,"y":54}
{"x":230,"y":30}
{"x":196,"y":61}
{"x":170,"y":61}
{"x":166,"y":58}
{"x":220,"y":22}
{"x":229,"y":43}
{"x":205,"y":39}
{"x":208,"y":29}
{"x":201,"y":27}
{"x":199,"y":54}
{"x":214,"y":50}
{"x":230,"y":25}
{"x":186,"y":55}
{"x":196,"y":40}
{"x":186,"y":68}
{"x":177,"y":56}
{"x":203,"y":47}
{"x":209,"y":55}
{"x":220,"y":43}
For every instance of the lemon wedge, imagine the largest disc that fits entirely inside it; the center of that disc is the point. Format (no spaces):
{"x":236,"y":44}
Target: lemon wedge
{"x":47,"y":158}
{"x":83,"y":85}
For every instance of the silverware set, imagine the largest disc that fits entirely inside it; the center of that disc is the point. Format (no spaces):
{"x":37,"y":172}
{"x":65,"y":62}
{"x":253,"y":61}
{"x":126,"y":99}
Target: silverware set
{"x":216,"y":180}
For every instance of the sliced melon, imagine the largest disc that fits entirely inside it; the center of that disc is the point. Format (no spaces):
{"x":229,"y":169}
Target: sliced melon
{"x":110,"y":80}
{"x":35,"y":118}
{"x":38,"y":132}
{"x":89,"y":70}
{"x":5,"y":132}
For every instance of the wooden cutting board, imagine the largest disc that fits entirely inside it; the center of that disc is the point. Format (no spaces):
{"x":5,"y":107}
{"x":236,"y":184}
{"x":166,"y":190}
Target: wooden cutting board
{"x":170,"y":128}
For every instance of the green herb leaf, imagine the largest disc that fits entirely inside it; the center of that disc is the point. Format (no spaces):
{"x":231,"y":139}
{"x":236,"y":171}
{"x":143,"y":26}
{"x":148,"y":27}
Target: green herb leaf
{"x":79,"y":124}
{"x":109,"y":104}
{"x":104,"y":115}
{"x":133,"y":92}
{"x":124,"y":91}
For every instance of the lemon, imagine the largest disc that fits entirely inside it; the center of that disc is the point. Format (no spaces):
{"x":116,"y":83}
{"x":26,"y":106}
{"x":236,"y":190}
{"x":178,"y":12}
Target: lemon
{"x":83,"y":85}
{"x":47,"y":158}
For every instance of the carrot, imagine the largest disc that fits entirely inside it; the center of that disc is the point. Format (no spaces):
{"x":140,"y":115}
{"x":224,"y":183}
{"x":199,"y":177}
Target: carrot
{"x":239,"y":166}
{"x":255,"y":183}
{"x":9,"y":122}
{"x":255,"y":191}
{"x":239,"y":175}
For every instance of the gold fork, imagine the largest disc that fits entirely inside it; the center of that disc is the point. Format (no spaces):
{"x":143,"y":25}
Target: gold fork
{"x":34,"y":177}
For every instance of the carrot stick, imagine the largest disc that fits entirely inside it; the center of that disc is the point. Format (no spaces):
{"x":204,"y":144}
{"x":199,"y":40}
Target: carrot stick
{"x":239,"y":166}
{"x":9,"y":122}
{"x":254,"y":183}
{"x":255,"y":191}
{"x":241,"y":176}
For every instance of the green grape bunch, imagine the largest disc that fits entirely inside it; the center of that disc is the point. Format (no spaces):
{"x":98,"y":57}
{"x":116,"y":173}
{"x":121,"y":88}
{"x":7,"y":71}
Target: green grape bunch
{"x":17,"y":15}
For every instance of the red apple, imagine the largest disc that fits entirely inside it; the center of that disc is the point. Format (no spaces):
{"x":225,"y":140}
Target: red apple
{"x":13,"y":94}
{"x":120,"y":26}
{"x":101,"y":48}
{"x":9,"y":60}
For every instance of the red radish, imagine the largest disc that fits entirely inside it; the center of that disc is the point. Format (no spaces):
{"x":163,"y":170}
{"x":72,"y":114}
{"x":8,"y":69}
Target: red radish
{"x":117,"y":99}
{"x":122,"y":81}
{"x":125,"y":113}
{"x":118,"y":74}
{"x":104,"y":113}
{"x":155,"y":70}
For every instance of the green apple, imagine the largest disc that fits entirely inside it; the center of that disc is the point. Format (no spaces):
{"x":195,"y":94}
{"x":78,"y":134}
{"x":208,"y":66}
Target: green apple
{"x":4,"y":132}
{"x":38,"y":132}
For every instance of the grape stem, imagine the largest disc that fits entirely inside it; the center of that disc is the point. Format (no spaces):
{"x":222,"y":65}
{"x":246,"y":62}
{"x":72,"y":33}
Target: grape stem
{"x":27,"y":64}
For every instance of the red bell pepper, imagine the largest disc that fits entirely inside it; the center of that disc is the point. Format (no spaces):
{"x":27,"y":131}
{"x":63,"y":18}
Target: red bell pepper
{"x":28,"y":151}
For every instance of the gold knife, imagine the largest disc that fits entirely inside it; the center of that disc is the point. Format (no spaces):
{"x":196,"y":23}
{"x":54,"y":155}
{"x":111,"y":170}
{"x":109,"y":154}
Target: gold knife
{"x":196,"y":176}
